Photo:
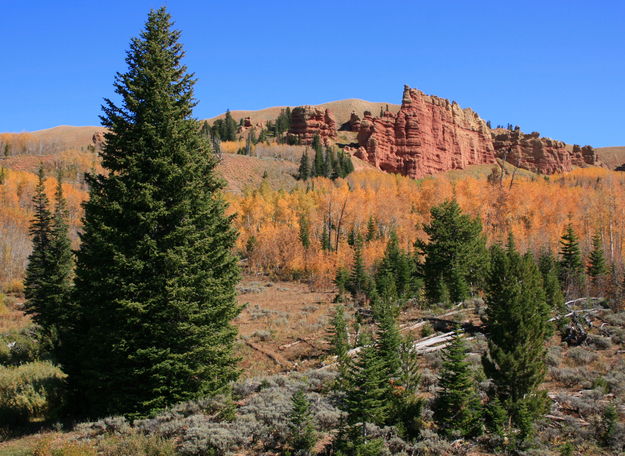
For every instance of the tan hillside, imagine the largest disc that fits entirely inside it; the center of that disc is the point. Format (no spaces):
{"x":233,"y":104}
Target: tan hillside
{"x":611,"y":156}
{"x":341,"y":109}
{"x":67,"y":135}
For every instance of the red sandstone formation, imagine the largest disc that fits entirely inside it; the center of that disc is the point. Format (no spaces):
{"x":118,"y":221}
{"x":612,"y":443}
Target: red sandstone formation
{"x":427,"y":136}
{"x":540,"y":155}
{"x":306,"y":122}
{"x":353,"y":124}
{"x":430,"y":135}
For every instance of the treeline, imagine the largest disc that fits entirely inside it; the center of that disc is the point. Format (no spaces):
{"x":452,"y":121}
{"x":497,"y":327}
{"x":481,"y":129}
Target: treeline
{"x":328,"y":163}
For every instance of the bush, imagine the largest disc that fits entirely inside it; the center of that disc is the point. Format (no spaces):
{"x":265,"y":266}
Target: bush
{"x":599,"y":342}
{"x":136,"y":445}
{"x":45,"y":447}
{"x":572,"y":376}
{"x":30,"y":391}
{"x":581,"y":356}
{"x":19,"y":347}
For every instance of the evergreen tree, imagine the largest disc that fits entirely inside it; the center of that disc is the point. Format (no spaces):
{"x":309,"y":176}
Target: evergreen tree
{"x":303,"y":435}
{"x":597,"y":267}
{"x":229,"y":128}
{"x":49,"y":270}
{"x":328,"y":164}
{"x":304,"y":231}
{"x":372,"y":229}
{"x":517,"y":318}
{"x":339,"y":338}
{"x":455,"y":256}
{"x":303,"y":172}
{"x":553,"y":291}
{"x":389,"y":338}
{"x":398,"y":265}
{"x":571,"y":267}
{"x":366,"y":395}
{"x":317,"y":170}
{"x":457,"y":408}
{"x":341,"y":279}
{"x":155,"y":276}
{"x":40,"y":259}
{"x":358,"y":283}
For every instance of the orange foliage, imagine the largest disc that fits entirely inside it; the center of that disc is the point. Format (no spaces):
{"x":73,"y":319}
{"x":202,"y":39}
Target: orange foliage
{"x":534,"y":210}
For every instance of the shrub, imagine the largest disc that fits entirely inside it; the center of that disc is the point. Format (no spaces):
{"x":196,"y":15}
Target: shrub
{"x":136,"y":445}
{"x":30,"y":391}
{"x":599,"y":342}
{"x":554,"y":356}
{"x":580,"y":356}
{"x":572,"y":376}
{"x":19,"y":347}
{"x":45,"y":447}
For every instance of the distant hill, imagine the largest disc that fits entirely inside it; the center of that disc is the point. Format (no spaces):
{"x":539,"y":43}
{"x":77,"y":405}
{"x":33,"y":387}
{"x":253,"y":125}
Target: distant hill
{"x":341,"y":109}
{"x":612,"y":156}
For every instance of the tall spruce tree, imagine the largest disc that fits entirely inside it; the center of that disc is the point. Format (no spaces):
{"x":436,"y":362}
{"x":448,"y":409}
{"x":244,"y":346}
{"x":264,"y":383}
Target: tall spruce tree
{"x":455,"y":256}
{"x":571,"y":266}
{"x":457,"y":407}
{"x":155,"y":276}
{"x":49,"y":271}
{"x":302,"y":432}
{"x":303,"y":172}
{"x":366,"y":394}
{"x":339,"y":337}
{"x":517,"y":318}
{"x":398,"y":265}
{"x":597,"y":266}
{"x":358,"y":283}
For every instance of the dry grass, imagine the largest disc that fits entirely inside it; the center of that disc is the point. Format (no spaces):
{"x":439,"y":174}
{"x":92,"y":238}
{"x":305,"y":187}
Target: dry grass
{"x":12,"y":318}
{"x":612,"y":156}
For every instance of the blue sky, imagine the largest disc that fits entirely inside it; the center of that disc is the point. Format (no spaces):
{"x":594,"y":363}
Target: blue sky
{"x":557,"y":67}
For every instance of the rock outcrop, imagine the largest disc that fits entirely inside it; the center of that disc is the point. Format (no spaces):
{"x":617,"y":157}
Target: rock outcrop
{"x":430,"y":135}
{"x":540,"y":155}
{"x":427,"y":136}
{"x":307,"y":121}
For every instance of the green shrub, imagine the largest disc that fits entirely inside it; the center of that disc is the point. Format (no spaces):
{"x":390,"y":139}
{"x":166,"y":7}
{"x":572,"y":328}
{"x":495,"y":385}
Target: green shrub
{"x":30,"y":391}
{"x":19,"y":347}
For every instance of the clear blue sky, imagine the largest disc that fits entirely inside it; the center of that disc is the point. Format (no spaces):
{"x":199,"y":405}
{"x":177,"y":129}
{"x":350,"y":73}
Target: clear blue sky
{"x":557,"y":67}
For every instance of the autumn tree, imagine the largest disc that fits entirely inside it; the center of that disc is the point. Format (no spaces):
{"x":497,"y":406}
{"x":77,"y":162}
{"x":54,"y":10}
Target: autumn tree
{"x":155,"y":275}
{"x":455,"y":255}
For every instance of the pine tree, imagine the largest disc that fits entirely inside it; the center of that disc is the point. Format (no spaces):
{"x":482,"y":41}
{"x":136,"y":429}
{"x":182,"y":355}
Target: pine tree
{"x":358,"y":283}
{"x":517,"y":318}
{"x":597,"y":267}
{"x":455,"y":256}
{"x":303,"y":435}
{"x":366,"y":395}
{"x":229,"y":128}
{"x":339,"y":337}
{"x":571,"y":267}
{"x":372,"y":229}
{"x":457,"y":408}
{"x":388,"y":338}
{"x":317,"y":170}
{"x":304,"y":231}
{"x":398,"y":265}
{"x":303,"y":172}
{"x":40,"y":259}
{"x":325,"y":237}
{"x":553,"y":291}
{"x":155,"y":275}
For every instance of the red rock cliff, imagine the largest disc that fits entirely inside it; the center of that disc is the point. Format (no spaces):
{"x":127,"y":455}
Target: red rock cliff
{"x":427,"y":136}
{"x":307,"y":121}
{"x":541,"y":155}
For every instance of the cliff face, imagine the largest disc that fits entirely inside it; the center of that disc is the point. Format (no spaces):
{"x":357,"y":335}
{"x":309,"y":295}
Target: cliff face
{"x":306,"y":122}
{"x":540,"y":155}
{"x":430,"y":135}
{"x":427,"y":136}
